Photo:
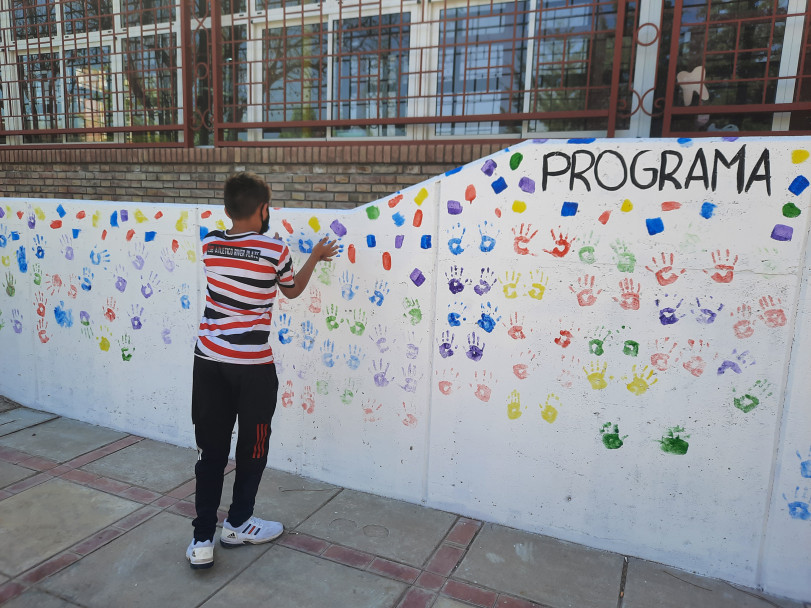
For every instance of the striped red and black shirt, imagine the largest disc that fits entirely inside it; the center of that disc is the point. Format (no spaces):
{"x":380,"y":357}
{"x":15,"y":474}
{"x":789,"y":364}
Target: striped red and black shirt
{"x":242,"y":273}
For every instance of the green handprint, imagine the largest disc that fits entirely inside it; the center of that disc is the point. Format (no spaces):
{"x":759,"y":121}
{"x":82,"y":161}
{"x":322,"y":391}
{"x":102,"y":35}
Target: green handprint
{"x":413,"y":312}
{"x":332,"y":317}
{"x":127,"y":349}
{"x":37,"y":274}
{"x":359,"y":324}
{"x":325,"y":274}
{"x":10,"y":289}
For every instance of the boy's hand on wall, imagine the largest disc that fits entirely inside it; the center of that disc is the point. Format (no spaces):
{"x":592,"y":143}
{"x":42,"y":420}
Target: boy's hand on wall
{"x":324,"y":250}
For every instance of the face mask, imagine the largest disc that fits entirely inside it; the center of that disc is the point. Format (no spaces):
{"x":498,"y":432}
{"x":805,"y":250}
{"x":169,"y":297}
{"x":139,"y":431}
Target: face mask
{"x":265,"y":224}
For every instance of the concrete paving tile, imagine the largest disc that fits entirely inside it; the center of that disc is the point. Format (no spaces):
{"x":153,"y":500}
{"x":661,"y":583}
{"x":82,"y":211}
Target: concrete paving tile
{"x":294,"y":580}
{"x":81,"y":512}
{"x":390,"y":528}
{"x":149,"y":464}
{"x":542,"y":569}
{"x":33,"y":598}
{"x":13,"y":420}
{"x":446,"y":602}
{"x":7,"y":404}
{"x":10,"y":473}
{"x":60,"y":439}
{"x":3,"y":579}
{"x":147,"y":567}
{"x":282,"y":496}
{"x":650,"y":584}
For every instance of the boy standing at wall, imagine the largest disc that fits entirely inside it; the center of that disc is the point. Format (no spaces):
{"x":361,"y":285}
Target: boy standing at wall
{"x":234,"y":374}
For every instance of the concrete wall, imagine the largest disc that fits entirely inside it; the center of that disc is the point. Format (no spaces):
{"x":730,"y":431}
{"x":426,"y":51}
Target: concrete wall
{"x":603,"y":341}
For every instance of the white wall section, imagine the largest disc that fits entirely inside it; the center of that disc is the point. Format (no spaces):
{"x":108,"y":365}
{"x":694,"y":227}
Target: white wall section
{"x":604,"y":341}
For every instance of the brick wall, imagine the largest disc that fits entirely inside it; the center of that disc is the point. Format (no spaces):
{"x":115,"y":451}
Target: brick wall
{"x":303,"y":176}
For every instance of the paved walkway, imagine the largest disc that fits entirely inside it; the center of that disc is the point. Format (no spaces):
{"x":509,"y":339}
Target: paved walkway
{"x":97,"y":518}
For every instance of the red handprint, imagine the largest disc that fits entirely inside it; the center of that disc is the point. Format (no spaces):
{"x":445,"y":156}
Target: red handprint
{"x":772,"y":315}
{"x":288,"y":394}
{"x":724,"y":266}
{"x":522,"y":238}
{"x":744,"y":327}
{"x":562,"y":244}
{"x":630,"y":298}
{"x":665,"y":275}
{"x":585,"y":292}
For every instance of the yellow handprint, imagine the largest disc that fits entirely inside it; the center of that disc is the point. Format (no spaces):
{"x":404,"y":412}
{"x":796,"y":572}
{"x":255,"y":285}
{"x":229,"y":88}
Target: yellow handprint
{"x":548,"y":411}
{"x":641,"y":383}
{"x":511,"y":284}
{"x":514,"y":406}
{"x":596,"y":375}
{"x":539,"y":281}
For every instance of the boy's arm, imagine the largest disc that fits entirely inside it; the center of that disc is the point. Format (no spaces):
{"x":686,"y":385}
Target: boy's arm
{"x":323,"y":251}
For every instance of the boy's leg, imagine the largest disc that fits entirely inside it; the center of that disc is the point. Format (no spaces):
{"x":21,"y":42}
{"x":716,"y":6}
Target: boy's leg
{"x":213,"y":416}
{"x":256,"y":405}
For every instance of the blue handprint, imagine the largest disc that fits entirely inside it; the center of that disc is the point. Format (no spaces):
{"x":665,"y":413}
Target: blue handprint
{"x":348,"y":288}
{"x":489,"y":317}
{"x":305,"y":245}
{"x":446,"y":344}
{"x":3,"y":237}
{"x":354,"y":356}
{"x":285,"y":337}
{"x":22,"y":262}
{"x":99,"y":257}
{"x":456,"y":312}
{"x":87,"y":279}
{"x":455,"y":242}
{"x":327,"y":353}
{"x":120,"y":278}
{"x":706,"y":316}
{"x":136,"y":316}
{"x":39,"y":246}
{"x":381,"y":290}
{"x":63,"y":316}
{"x":488,"y":242}
{"x":309,"y":334}
{"x":668,"y":315}
{"x":475,"y":349}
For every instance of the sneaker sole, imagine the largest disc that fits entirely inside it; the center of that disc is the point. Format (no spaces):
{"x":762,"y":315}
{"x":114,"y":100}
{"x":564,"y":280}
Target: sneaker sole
{"x":236,"y":544}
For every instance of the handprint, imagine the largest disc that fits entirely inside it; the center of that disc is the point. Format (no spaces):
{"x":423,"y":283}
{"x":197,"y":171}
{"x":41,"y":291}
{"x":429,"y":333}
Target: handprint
{"x":168,"y":259}
{"x":626,"y":261}
{"x":120,"y":278}
{"x":665,"y":275}
{"x":696,"y":363}
{"x":724,"y":266}
{"x":54,"y":283}
{"x":456,"y":314}
{"x":744,"y":327}
{"x":413,"y":312}
{"x":736,"y":362}
{"x":9,"y":285}
{"x":325,"y":274}
{"x":456,"y":280}
{"x":42,"y":331}
{"x":585,"y":290}
{"x":39,"y":246}
{"x":489,"y":317}
{"x":521,"y":369}
{"x":136,"y":313}
{"x":629,"y":298}
{"x":378,"y":336}
{"x":354,"y":356}
{"x":348,"y":287}
{"x":16,"y":321}
{"x":515,"y":328}
{"x":514,"y":405}
{"x":87,"y":279}
{"x":661,"y":358}
{"x":705,"y":315}
{"x":284,"y":333}
{"x":327,"y":353}
{"x":486,"y":281}
{"x":446,"y":344}
{"x":380,"y":372}
{"x":332,"y":317}
{"x":370,"y":412}
{"x":138,"y":256}
{"x":562,"y":244}
{"x":523,"y":236}
{"x":101,"y":258}
{"x":410,"y":378}
{"x":73,"y":290}
{"x":773,"y":315}
{"x":475,"y":349}
{"x":538,"y":281}
{"x":448,"y":382}
{"x":641,"y":381}
{"x":40,"y":301}
{"x":511,"y":284}
{"x":308,"y":400}
{"x":488,"y":242}
{"x":149,"y":285}
{"x":595,"y":374}
{"x":455,"y":242}
{"x":481,"y":382}
{"x":668,"y":315}
{"x":358,"y":323}
{"x":288,"y":394}
{"x":308,"y":335}
{"x":381,"y":290}
{"x":127,"y":349}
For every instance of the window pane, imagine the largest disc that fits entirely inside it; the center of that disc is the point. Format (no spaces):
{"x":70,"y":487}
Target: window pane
{"x":146,"y":12}
{"x":38,"y":76}
{"x":34,"y":18}
{"x":234,"y":78}
{"x":295,"y":79}
{"x":150,"y":80}
{"x":482,"y":61}
{"x":88,"y":96}
{"x":87,"y":16}
{"x":371,"y":73}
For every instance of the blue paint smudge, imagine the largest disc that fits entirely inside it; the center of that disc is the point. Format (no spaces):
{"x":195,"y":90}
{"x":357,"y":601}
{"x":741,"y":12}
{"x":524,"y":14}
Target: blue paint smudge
{"x":425,"y":241}
{"x":685,"y":141}
{"x":655,"y":225}
{"x":707,"y":209}
{"x":454,"y":207}
{"x":60,"y":210}
{"x":2,"y":213}
{"x":499,"y":185}
{"x":398,"y":218}
{"x":582,"y":140}
{"x":21,"y":261}
{"x":203,"y":231}
{"x":114,"y":219}
{"x":540,"y":141}
{"x":799,"y":184}
{"x":488,"y":167}
{"x":527,"y":185}
{"x":398,"y":241}
{"x":487,"y":323}
{"x":569,"y":209}
{"x":729,"y":139}
{"x":454,"y":319}
{"x":781,"y":232}
{"x":799,"y":510}
{"x":452,"y":171}
{"x":417,"y":277}
{"x":124,"y":215}
{"x":338,"y":228}
{"x":149,"y":236}
{"x":370,"y":240}
{"x":185,"y":303}
{"x":15,"y":236}
{"x":76,"y":232}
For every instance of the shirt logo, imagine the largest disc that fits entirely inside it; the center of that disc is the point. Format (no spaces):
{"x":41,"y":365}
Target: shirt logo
{"x":239,"y":253}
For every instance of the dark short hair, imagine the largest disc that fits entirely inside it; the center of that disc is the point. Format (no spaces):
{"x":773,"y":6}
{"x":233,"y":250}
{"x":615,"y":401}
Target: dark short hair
{"x":244,"y":193}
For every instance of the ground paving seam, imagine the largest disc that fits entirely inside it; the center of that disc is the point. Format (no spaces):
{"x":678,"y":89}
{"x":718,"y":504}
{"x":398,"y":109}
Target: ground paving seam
{"x":460,"y":590}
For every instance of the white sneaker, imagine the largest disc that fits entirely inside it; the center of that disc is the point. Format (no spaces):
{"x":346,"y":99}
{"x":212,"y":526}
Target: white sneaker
{"x":254,"y":531}
{"x":200,"y":554}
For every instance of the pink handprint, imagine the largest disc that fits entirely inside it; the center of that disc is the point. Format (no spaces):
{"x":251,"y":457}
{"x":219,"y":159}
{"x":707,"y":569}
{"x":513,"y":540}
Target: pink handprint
{"x":773,"y":315}
{"x":288,"y":394}
{"x":744,"y":327}
{"x":629,"y":298}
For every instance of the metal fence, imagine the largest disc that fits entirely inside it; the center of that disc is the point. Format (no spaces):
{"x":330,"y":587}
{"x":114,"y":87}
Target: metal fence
{"x":260,"y":72}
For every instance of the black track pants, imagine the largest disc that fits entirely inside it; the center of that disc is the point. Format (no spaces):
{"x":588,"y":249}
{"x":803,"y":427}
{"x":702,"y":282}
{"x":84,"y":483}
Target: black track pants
{"x":223,"y":393}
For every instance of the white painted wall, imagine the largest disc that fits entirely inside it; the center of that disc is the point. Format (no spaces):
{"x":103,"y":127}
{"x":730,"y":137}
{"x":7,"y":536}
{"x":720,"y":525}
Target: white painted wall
{"x":372,"y":399}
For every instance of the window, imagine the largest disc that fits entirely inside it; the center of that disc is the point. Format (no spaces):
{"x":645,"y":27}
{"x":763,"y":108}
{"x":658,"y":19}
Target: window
{"x":41,"y":98}
{"x":33,"y":19}
{"x":89,"y":92}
